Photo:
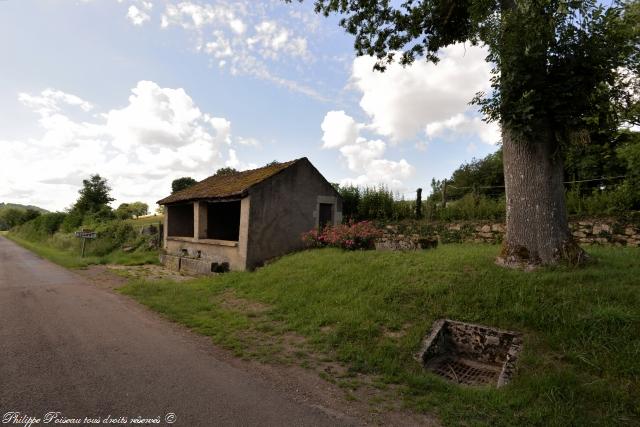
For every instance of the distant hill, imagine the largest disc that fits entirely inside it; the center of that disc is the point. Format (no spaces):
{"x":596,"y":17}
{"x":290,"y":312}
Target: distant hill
{"x":21,"y":207}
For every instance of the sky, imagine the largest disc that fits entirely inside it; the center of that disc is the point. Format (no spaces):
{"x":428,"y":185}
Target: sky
{"x":143,"y":92}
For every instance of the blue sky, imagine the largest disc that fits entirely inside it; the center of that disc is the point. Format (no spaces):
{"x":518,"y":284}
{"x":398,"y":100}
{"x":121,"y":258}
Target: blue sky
{"x":144,"y":92}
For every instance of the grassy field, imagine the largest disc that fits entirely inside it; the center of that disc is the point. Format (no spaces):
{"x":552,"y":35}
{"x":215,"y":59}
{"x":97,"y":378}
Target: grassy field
{"x":74,"y":260}
{"x":149,"y":220}
{"x":369,"y":311}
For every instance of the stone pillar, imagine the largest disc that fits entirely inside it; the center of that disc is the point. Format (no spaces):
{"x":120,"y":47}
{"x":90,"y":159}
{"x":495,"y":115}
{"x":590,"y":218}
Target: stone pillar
{"x":165,"y":230}
{"x":196,"y":220}
{"x":201,"y":227}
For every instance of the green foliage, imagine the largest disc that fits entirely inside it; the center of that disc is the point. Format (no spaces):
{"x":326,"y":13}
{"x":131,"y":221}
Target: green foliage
{"x":12,"y":217}
{"x":41,"y":227}
{"x":65,"y":251}
{"x":94,"y":195}
{"x":131,"y":210}
{"x":72,"y":221}
{"x":182,"y":183}
{"x":469,"y":207}
{"x":375,"y":203}
{"x":226,"y":171}
{"x":350,"y":200}
{"x":581,"y":328}
{"x":93,"y":219}
{"x":557,"y":64}
{"x":113,"y":235}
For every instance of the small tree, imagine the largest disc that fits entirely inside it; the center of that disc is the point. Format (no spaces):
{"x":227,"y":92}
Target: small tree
{"x":138,"y":209}
{"x":123,"y":211}
{"x":182,"y":183}
{"x":94,"y":195}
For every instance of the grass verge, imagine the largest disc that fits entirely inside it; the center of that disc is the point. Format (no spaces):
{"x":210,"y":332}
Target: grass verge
{"x":74,"y":260}
{"x":369,"y":311}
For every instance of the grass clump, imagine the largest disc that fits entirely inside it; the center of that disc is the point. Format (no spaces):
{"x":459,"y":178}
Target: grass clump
{"x":369,"y":310}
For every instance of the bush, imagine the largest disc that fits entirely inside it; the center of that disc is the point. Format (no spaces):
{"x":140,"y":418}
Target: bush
{"x":72,"y":221}
{"x":41,"y":227}
{"x":351,"y":236}
{"x":113,"y":235}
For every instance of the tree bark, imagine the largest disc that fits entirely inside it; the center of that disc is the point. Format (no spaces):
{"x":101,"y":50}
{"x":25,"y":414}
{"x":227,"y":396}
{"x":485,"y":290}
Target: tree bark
{"x":537,"y":225}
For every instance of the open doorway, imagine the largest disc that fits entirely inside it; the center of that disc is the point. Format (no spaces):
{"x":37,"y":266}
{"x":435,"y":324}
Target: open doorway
{"x":326,"y":215}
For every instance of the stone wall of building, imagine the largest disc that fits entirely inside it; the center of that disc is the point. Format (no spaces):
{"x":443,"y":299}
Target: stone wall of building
{"x":587,"y":231}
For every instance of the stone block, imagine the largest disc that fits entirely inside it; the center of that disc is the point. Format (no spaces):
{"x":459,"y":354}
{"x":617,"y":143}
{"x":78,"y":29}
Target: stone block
{"x":629,"y":231}
{"x":485,"y":228}
{"x":195,"y":266}
{"x":170,"y":262}
{"x":499,"y":228}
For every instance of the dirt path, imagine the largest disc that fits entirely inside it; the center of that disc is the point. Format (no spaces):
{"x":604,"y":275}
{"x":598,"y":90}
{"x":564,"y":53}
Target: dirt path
{"x":86,"y":352}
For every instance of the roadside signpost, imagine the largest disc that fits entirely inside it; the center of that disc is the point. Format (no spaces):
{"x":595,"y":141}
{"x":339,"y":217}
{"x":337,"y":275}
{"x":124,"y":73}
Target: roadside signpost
{"x":84,"y":235}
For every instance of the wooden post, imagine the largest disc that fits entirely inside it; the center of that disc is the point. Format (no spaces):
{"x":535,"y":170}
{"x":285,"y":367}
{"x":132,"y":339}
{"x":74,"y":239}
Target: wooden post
{"x":84,"y":241}
{"x":444,"y":193}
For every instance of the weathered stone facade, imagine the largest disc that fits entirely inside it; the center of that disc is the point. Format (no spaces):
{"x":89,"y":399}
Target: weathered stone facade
{"x":604,"y":231}
{"x":239,"y":221}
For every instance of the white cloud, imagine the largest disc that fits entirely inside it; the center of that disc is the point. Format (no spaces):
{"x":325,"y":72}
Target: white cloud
{"x":338,"y":129}
{"x":159,"y":135}
{"x":362,"y":156}
{"x":403,"y":101}
{"x":242,"y":38}
{"x":464,"y":124}
{"x":137,"y":16}
{"x":49,"y":101}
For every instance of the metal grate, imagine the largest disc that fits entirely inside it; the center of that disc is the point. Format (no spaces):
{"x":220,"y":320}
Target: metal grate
{"x":466,"y":372}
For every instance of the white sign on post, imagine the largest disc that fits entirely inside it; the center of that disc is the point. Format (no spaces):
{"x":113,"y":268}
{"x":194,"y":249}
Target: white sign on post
{"x":84,"y":235}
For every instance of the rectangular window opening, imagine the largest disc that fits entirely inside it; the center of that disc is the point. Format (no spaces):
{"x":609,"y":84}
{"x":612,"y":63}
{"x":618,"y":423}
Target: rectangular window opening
{"x":180,"y":220}
{"x":223,"y":220}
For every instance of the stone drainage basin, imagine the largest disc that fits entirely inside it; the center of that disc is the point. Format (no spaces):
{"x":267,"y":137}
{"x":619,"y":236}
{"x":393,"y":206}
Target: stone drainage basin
{"x":469,"y":354}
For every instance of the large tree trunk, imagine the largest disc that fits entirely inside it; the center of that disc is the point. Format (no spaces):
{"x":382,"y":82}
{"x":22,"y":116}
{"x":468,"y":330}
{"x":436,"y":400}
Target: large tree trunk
{"x":537,"y":226}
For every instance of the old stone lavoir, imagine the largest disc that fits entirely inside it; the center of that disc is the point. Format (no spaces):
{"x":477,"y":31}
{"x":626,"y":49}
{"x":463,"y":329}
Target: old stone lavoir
{"x":239,"y":220}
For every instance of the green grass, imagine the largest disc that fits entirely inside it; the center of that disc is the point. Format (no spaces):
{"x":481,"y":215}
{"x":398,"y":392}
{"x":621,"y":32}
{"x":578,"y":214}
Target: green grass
{"x":74,"y":260}
{"x":139,"y":222}
{"x":581,"y":359}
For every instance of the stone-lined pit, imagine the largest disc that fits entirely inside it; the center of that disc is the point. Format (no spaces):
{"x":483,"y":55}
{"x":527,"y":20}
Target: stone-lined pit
{"x":470,"y":354}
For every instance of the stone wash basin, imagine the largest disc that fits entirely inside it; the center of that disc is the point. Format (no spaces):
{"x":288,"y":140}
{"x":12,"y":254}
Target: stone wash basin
{"x":469,"y":354}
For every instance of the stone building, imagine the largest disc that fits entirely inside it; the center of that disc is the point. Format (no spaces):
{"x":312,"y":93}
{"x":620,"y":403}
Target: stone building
{"x":240,"y":220}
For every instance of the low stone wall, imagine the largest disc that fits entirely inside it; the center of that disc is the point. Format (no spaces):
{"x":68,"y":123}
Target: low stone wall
{"x":587,"y":231}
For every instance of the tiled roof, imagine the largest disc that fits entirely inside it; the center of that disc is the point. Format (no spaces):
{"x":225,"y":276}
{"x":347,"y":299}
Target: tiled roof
{"x":226,"y":185}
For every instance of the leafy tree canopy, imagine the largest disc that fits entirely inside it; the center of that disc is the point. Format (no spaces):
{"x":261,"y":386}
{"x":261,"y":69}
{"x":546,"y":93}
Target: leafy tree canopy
{"x":130,"y":210}
{"x":182,"y":183}
{"x":570,"y":65}
{"x":94,"y":195}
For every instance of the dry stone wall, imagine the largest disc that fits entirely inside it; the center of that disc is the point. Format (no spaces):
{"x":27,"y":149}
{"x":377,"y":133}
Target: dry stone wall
{"x":587,"y":231}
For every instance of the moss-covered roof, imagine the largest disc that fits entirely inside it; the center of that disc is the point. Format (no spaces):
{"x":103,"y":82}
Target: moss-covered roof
{"x":222,"y":186}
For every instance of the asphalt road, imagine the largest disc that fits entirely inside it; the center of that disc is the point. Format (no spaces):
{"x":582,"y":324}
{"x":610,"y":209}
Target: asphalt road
{"x":67,"y":346}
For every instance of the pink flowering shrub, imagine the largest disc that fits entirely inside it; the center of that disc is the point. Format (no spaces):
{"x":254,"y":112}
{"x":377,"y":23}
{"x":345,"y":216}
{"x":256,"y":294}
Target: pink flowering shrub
{"x":353,"y":235}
